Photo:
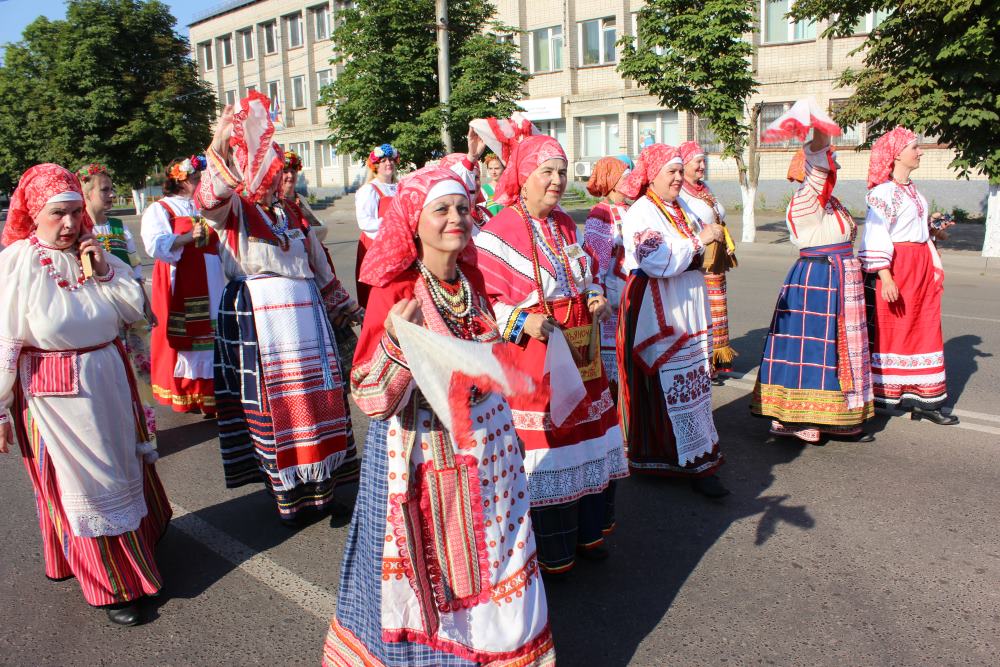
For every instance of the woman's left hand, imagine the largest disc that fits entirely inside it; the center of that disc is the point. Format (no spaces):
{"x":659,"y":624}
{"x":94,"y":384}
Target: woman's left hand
{"x":599,"y":308}
{"x":90,"y":246}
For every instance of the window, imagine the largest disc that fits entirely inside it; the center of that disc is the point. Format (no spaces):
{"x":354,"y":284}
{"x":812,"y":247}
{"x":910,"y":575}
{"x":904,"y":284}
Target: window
{"x":327,"y":153}
{"x":323,"y":79}
{"x":658,"y":50}
{"x":660,"y":127}
{"x":273,"y":92}
{"x":769,"y":112}
{"x":852,"y":136}
{"x":321,"y":23}
{"x":226,"y":45}
{"x":251,"y":87}
{"x":230,"y":97}
{"x":707,"y":138}
{"x":246,"y":40}
{"x":779,"y":28}
{"x":298,"y":92}
{"x":293,"y":28}
{"x":600,"y":136}
{"x":870,"y":21}
{"x":339,"y":7}
{"x":553,"y":128}
{"x":304,"y":151}
{"x":546,"y":49}
{"x":270,"y":37}
{"x":597,"y":41}
{"x":206,"y":56}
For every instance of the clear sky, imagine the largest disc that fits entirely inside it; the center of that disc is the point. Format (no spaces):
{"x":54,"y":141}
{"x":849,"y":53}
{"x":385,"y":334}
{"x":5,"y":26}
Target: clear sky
{"x":16,"y":14}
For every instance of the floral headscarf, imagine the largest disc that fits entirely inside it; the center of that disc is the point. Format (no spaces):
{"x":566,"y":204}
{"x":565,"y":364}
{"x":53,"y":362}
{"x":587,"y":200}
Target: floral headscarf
{"x":523,"y":159}
{"x":258,"y":159}
{"x":690,"y":150}
{"x":652,"y":159}
{"x":38,"y":186}
{"x":607,"y":172}
{"x":885,"y":150}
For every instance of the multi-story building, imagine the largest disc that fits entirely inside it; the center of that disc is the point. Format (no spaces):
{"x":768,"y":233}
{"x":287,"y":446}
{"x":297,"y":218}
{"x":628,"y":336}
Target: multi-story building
{"x":576,"y":94}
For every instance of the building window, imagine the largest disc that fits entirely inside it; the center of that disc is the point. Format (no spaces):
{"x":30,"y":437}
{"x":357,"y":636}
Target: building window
{"x":851,"y":136}
{"x":600,"y":136}
{"x":655,"y":127}
{"x":246,"y":41}
{"x":323,"y":78}
{"x":304,"y":151}
{"x":339,"y":7}
{"x":706,"y":137}
{"x":270,"y":37}
{"x":546,"y":49}
{"x":870,"y":21}
{"x":597,"y":41}
{"x":251,"y":87}
{"x":226,"y":46}
{"x":553,"y":128}
{"x":769,"y":112}
{"x":327,"y":152}
{"x":206,"y":56}
{"x":293,"y":28}
{"x":273,"y":92}
{"x":298,"y":92}
{"x":230,"y":97}
{"x":779,"y":28}
{"x":321,"y":23}
{"x":636,"y":42}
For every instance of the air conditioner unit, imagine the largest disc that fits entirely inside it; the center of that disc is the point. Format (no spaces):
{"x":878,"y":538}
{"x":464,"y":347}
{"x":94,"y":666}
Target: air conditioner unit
{"x":582,"y":169}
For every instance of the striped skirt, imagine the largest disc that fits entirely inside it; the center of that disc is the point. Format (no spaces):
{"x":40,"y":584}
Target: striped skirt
{"x":111,"y":569}
{"x":722,"y":352}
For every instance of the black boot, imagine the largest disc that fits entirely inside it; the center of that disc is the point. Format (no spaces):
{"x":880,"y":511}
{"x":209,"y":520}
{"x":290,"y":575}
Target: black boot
{"x":125,"y":614}
{"x":710,"y":487}
{"x":935,"y":416}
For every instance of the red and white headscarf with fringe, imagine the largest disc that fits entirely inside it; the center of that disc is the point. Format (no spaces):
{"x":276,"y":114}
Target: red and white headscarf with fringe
{"x":38,"y":186}
{"x":524,"y":158}
{"x":797,"y":121}
{"x":395,"y":249}
{"x":885,"y":150}
{"x":502,"y":134}
{"x":258,"y":159}
{"x":652,"y":159}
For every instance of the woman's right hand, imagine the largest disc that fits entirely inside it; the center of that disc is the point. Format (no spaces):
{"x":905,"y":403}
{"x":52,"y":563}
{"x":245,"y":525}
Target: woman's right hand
{"x":223,"y":131}
{"x":710,"y":233}
{"x":538,"y":326}
{"x":6,"y":437}
{"x":409,"y":310}
{"x":889,"y":290}
{"x":197,"y":233}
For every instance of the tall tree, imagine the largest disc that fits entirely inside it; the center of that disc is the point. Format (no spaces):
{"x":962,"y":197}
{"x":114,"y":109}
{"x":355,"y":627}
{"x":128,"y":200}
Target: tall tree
{"x":693,"y":55}
{"x":933,"y":67}
{"x":387,"y":89}
{"x":112,"y":83}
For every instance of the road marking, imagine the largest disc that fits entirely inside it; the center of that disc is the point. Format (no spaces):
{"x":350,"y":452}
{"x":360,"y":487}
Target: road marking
{"x":976,"y":415}
{"x":309,"y":596}
{"x":970,"y":317}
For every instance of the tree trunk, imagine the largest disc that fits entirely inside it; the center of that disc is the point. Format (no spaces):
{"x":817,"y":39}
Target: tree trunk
{"x":139,"y":200}
{"x":749,"y":192}
{"x":991,"y":244}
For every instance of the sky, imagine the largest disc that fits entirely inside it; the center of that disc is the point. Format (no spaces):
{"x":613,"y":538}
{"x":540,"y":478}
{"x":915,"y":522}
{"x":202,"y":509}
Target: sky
{"x":15,"y":15}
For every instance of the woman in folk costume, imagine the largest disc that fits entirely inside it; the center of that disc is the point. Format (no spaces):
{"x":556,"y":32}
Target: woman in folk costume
{"x":289,"y":179}
{"x":187,"y":285}
{"x":538,"y":279}
{"x":719,"y":257}
{"x":282,"y":398}
{"x":903,"y":285}
{"x":67,"y":382}
{"x":440,"y":565}
{"x":466,"y":167}
{"x":602,"y":239}
{"x":815,"y":376}
{"x":370,"y":203}
{"x":664,"y":329}
{"x":494,"y":169}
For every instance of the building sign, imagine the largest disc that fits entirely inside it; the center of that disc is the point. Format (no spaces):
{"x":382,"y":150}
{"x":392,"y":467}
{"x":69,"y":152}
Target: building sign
{"x":543,"y":108}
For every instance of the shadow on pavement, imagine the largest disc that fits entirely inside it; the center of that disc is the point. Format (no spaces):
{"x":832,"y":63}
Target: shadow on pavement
{"x":189,"y":433}
{"x":960,"y":354}
{"x":603,"y":611}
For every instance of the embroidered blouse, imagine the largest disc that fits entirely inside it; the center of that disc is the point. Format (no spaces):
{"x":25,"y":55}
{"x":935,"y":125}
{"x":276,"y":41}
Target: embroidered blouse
{"x":366,"y":205}
{"x":896,"y":214}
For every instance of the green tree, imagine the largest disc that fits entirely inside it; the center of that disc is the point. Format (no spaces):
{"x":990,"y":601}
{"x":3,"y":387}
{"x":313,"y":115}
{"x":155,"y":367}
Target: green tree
{"x":387,"y":90}
{"x":693,"y":55}
{"x":112,"y":83}
{"x":933,"y":67}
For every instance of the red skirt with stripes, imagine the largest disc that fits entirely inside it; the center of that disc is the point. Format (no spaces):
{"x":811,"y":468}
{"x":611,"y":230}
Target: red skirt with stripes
{"x":110,"y":569}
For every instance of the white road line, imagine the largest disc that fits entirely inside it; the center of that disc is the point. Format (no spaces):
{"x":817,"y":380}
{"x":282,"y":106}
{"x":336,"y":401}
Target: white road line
{"x":976,"y":415}
{"x":970,"y":317}
{"x":309,"y":596}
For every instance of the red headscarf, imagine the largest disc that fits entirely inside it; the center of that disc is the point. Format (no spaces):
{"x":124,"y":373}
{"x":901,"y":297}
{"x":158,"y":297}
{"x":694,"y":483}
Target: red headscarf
{"x":258,"y":158}
{"x":607,"y":172}
{"x":652,"y":159}
{"x":37,"y":187}
{"x":690,"y":150}
{"x":884,"y":153}
{"x":395,"y":249}
{"x":524,"y":158}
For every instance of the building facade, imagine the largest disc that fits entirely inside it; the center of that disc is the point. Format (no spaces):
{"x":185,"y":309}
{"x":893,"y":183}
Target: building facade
{"x":283,"y":47}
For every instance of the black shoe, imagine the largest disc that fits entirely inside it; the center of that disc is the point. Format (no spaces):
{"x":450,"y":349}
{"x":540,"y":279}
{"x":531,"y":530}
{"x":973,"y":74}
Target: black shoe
{"x":863,"y":437}
{"x":935,"y":416}
{"x":596,"y":554}
{"x":718,"y":381}
{"x":127,"y":615}
{"x":710,"y":487}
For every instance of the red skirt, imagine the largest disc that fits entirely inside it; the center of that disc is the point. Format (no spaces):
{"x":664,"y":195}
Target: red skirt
{"x":907,"y":346}
{"x":364,"y":243}
{"x":182,"y":394}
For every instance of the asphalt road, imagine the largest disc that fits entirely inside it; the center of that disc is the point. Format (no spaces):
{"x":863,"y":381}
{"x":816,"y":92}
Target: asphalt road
{"x":847,"y":554}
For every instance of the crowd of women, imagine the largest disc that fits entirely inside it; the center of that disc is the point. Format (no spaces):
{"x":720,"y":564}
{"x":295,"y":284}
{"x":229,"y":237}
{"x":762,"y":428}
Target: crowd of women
{"x":586,"y":358}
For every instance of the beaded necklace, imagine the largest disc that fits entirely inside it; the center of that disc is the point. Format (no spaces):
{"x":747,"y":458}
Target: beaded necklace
{"x":45,"y":260}
{"x":685,"y":230}
{"x":280,"y":230}
{"x":558,"y":257}
{"x":454,"y":305}
{"x":702,"y":192}
{"x":911,"y":193}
